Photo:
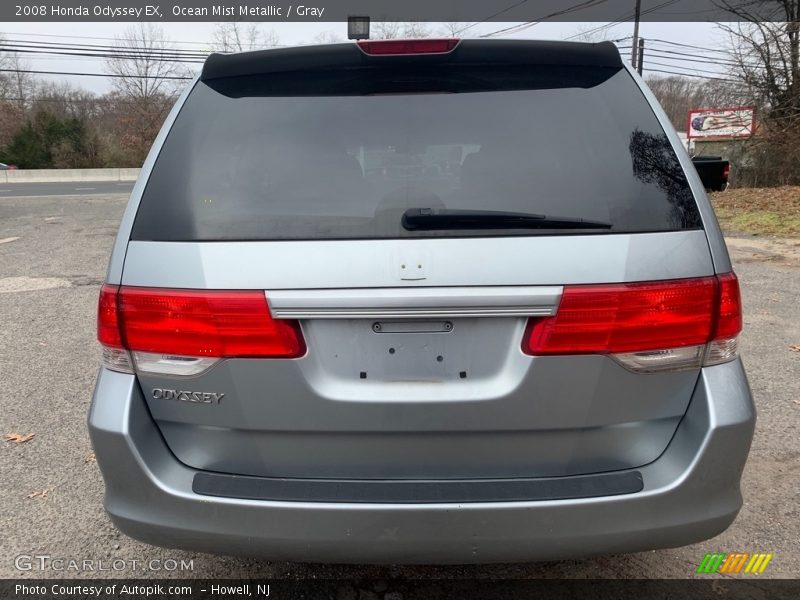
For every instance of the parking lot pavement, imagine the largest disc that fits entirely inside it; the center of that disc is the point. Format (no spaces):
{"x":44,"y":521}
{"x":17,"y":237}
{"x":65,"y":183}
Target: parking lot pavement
{"x":53,"y":253}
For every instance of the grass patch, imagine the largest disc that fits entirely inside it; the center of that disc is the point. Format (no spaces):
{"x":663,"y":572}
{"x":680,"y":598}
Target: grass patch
{"x":758,"y":222}
{"x":759,"y":211}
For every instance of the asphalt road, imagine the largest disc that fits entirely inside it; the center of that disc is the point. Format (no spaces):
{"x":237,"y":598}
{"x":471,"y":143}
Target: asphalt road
{"x":53,"y":254}
{"x":81,"y":188}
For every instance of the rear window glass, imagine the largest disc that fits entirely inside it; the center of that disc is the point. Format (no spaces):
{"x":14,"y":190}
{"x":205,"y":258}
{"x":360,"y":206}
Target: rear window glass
{"x":343,"y":155}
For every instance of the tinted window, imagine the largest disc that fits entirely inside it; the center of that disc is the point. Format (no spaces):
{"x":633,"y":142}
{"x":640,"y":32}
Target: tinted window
{"x":343,"y":155}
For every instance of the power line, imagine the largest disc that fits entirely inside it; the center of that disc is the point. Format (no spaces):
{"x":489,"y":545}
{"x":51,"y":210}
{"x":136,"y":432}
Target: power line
{"x":580,"y":6}
{"x":693,"y":58}
{"x":97,"y":47}
{"x":686,"y":57}
{"x":121,"y":56}
{"x":497,"y":14}
{"x":707,"y":49}
{"x":91,"y":74}
{"x":691,"y":75}
{"x":86,"y":37}
{"x":620,"y":20}
{"x":693,"y":70}
{"x":674,"y":66}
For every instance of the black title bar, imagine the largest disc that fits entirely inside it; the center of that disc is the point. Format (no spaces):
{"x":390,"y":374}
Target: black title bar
{"x":391,"y":589}
{"x":466,"y":11}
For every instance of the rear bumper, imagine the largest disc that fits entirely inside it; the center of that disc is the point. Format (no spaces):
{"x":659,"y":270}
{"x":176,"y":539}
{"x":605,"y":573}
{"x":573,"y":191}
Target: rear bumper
{"x":690,"y":493}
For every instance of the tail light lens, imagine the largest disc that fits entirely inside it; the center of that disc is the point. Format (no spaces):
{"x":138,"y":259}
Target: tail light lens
{"x":652,"y":326}
{"x":724,"y":346}
{"x":399,"y":47}
{"x":107,"y":318}
{"x":183,"y":332}
{"x":115,"y":356}
{"x":729,"y":313}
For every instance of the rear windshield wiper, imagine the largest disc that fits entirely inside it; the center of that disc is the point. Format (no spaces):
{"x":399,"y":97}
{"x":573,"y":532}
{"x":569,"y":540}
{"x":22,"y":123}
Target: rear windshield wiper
{"x":427,"y":219}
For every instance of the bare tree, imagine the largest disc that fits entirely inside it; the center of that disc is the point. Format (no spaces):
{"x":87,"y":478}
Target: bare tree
{"x":766,"y":57}
{"x":591,"y":33}
{"x":66,"y":101}
{"x":385,"y":30}
{"x":455,"y":28}
{"x":235,"y":36}
{"x":147,"y":77}
{"x":327,"y":37}
{"x":16,"y":85}
{"x":145,"y":68}
{"x":416,"y":29}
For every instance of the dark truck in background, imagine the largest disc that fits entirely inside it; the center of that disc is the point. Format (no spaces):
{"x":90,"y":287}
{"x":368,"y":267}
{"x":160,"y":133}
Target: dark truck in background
{"x":713,"y":171}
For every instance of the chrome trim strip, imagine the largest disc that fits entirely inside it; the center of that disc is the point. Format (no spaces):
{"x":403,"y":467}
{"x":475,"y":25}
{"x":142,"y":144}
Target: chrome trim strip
{"x":377,"y":313}
{"x":411,"y":303}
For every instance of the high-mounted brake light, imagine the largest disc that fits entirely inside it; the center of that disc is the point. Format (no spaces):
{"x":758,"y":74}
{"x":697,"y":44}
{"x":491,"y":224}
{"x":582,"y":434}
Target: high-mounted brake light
{"x":183,"y":332}
{"x":399,"y":47}
{"x":650,"y":326}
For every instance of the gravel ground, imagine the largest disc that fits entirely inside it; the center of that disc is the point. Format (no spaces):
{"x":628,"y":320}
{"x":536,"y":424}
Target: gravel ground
{"x":52,"y":489}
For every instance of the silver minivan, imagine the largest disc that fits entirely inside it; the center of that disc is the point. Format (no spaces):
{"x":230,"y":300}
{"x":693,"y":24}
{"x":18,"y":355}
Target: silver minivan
{"x":420,"y":301}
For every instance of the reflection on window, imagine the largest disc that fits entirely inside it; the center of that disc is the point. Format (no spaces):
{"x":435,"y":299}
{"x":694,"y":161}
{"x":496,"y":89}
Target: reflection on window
{"x":655,"y":162}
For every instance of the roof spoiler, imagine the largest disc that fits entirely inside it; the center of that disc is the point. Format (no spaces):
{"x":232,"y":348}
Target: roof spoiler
{"x":349,"y":55}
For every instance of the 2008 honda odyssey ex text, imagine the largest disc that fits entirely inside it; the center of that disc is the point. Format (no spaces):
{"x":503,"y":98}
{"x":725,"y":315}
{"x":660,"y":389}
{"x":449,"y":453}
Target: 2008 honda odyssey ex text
{"x":420,"y":301}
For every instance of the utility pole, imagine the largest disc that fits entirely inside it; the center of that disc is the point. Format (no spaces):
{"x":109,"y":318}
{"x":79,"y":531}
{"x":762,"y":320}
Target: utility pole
{"x":635,"y":49}
{"x":640,"y":60}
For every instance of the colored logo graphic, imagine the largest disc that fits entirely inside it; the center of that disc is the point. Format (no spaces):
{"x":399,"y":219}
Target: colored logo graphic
{"x":734,"y":562}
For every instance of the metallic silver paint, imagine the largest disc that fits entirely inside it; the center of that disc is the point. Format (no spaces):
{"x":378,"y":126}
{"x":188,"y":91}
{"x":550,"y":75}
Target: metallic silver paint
{"x":456,"y":262}
{"x":691,"y":493}
{"x":513,"y":416}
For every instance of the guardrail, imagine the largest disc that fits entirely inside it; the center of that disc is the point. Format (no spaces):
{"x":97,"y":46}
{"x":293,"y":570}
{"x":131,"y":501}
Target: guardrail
{"x":66,"y":175}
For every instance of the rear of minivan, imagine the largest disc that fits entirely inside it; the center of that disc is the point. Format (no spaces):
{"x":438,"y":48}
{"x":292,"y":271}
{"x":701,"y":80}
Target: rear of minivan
{"x":420,"y":301}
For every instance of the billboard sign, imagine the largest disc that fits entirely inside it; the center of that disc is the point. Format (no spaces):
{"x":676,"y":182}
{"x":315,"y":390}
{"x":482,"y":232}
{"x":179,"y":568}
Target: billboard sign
{"x":721,"y":123}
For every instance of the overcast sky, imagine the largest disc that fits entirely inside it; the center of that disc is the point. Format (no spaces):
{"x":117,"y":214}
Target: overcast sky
{"x":198,"y":36}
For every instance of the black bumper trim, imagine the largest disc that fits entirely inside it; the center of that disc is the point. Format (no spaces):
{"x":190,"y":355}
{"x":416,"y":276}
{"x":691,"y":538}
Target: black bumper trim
{"x":399,"y":491}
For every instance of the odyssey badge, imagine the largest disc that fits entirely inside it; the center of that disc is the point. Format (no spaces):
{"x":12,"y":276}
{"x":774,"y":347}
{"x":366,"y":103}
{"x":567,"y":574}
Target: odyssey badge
{"x":187,"y":396}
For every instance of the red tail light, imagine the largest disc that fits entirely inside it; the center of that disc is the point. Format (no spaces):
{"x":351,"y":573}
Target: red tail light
{"x":729,"y":313}
{"x":638,"y":317}
{"x":424,"y":46}
{"x":194,"y":323}
{"x":107,"y":320}
{"x":726,"y":171}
